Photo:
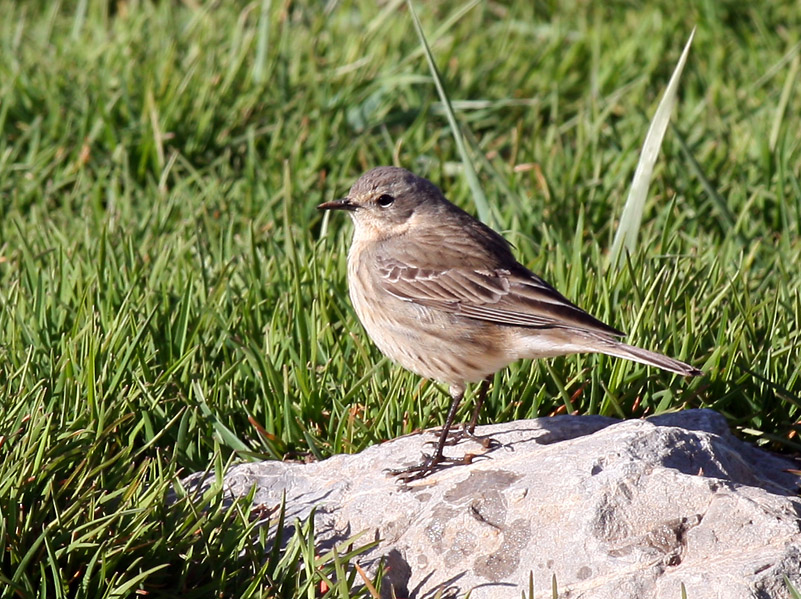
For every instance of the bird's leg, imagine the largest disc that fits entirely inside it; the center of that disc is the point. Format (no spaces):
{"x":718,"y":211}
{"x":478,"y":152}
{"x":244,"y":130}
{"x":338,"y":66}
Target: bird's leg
{"x":426,"y":467}
{"x":468,"y":430}
{"x":482,"y":395}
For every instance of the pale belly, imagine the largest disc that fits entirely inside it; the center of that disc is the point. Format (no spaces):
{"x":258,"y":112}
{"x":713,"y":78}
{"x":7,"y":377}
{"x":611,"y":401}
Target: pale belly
{"x":431,"y":343}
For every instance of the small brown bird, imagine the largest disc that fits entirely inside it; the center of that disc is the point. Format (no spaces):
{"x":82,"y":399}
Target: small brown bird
{"x":441,"y":294}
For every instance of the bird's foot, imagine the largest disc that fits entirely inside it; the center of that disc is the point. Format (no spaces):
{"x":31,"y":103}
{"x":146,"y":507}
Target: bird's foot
{"x":468,"y":432}
{"x":418,"y":471}
{"x":429,"y":464}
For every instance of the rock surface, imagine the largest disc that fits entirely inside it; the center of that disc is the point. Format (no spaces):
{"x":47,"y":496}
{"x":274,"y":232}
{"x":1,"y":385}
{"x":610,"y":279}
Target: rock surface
{"x":627,"y":509}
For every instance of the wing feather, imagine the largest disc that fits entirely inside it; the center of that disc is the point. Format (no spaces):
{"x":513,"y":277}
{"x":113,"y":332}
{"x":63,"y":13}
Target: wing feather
{"x":518,"y":298}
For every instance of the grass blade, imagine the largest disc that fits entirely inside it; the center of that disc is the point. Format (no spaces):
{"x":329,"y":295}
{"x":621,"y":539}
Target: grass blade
{"x":789,"y":81}
{"x":626,"y":235}
{"x":480,"y":199}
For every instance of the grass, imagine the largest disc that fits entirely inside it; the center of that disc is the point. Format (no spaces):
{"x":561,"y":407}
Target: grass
{"x":171,"y":301}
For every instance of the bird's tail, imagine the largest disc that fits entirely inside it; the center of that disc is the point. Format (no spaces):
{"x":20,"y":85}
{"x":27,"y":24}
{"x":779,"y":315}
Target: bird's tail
{"x":556,"y":341}
{"x":612,"y":347}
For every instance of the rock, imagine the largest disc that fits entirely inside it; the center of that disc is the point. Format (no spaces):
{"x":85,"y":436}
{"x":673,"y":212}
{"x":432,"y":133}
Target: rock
{"x":627,"y":509}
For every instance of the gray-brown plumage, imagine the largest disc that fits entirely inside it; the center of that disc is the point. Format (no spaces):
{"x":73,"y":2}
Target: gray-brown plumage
{"x":441,"y":294}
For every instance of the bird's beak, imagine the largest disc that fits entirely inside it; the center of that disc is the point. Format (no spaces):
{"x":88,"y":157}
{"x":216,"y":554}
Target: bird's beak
{"x":343,"y":204}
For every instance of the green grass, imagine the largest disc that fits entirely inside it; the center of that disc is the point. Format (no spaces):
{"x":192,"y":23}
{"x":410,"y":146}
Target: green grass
{"x":171,"y":301}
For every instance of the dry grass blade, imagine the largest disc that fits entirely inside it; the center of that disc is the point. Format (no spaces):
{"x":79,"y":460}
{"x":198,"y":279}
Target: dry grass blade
{"x":626,"y":235}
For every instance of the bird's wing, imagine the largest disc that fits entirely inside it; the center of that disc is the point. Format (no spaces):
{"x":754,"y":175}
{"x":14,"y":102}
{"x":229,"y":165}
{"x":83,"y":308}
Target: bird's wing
{"x":498,"y":295}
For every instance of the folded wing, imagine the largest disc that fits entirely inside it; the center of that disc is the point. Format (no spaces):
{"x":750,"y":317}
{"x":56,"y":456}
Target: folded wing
{"x":518,"y":298}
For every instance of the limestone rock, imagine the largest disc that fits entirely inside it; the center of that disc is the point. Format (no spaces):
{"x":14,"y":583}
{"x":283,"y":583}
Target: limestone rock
{"x":612,"y":509}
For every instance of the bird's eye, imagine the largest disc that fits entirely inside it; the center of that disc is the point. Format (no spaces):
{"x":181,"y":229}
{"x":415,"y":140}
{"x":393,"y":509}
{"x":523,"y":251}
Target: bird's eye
{"x":385,"y":200}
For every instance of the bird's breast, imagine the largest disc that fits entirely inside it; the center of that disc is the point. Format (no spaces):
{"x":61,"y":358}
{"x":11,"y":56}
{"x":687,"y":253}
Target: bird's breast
{"x":432,"y":343}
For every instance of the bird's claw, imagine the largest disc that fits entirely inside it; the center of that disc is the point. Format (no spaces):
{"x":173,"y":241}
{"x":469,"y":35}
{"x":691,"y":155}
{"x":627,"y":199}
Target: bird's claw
{"x":465,"y":432}
{"x":421,"y":470}
{"x":427,"y":466}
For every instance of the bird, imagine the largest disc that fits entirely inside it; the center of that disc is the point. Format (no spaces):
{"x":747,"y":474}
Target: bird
{"x":441,"y":294}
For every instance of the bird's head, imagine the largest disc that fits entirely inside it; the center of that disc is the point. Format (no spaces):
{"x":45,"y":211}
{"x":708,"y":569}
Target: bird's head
{"x":386,"y":201}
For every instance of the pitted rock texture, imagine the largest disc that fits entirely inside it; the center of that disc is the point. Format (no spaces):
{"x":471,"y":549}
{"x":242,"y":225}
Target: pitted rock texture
{"x":612,"y":509}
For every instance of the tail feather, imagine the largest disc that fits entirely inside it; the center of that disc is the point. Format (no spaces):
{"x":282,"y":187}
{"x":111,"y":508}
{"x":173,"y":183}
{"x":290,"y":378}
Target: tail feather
{"x":617,"y":349}
{"x":545,"y":343}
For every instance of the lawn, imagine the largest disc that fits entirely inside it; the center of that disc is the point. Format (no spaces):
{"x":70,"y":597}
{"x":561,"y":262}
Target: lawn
{"x":171,"y":301}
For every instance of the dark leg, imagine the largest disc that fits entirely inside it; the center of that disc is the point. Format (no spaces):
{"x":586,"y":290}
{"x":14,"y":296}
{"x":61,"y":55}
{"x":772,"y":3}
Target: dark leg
{"x":426,"y":467}
{"x":480,"y":397}
{"x":468,"y":430}
{"x":443,"y":436}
